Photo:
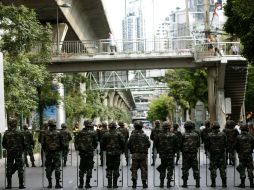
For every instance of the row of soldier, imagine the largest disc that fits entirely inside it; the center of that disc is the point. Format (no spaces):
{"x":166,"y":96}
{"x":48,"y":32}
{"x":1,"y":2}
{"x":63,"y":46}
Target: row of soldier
{"x":167,"y":142}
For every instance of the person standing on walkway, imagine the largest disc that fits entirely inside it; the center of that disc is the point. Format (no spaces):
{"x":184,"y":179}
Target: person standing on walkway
{"x":125,"y":133}
{"x":113,"y":143}
{"x":14,"y":143}
{"x":167,"y":146}
{"x":216,"y":146}
{"x":138,"y":145}
{"x":189,"y":147}
{"x":29,"y":145}
{"x":52,"y":145}
{"x":66,"y":138}
{"x":153,"y":136}
{"x":86,"y":143}
{"x":244,"y":147}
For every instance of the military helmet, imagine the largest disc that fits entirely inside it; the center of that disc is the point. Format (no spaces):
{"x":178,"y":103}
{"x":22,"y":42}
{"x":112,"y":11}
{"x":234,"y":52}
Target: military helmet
{"x":166,"y":125}
{"x":244,"y":127}
{"x":230,"y":124}
{"x":13,"y":122}
{"x":64,"y":126}
{"x":121,"y":124}
{"x":112,"y":125}
{"x":138,"y":125}
{"x":175,"y":126}
{"x":25,"y":126}
{"x":52,"y":123}
{"x":88,"y":123}
{"x":104,"y":124}
{"x":157,"y":123}
{"x":189,"y":125}
{"x":216,"y":125}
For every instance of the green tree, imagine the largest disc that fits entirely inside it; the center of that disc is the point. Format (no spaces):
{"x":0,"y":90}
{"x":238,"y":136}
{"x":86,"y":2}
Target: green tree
{"x":24,"y":70}
{"x":161,"y":108}
{"x":249,"y":96}
{"x":240,"y":23}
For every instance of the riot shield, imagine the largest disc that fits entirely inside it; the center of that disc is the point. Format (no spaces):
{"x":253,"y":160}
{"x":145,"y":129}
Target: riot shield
{"x":15,"y":179}
{"x":129,"y":173}
{"x":95,"y":173}
{"x":44,"y":169}
{"x":191,"y":180}
{"x":156,"y":174}
{"x":104,"y":171}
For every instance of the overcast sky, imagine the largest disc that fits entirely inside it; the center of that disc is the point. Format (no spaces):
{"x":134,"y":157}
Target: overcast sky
{"x":116,"y":11}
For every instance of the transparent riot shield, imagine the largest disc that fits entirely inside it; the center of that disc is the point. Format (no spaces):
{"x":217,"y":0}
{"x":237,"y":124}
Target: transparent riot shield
{"x":156,"y":175}
{"x":129,"y":173}
{"x":15,"y":179}
{"x":191,"y":181}
{"x":104,"y":171}
{"x":95,"y":170}
{"x":208,"y":173}
{"x":53,"y":175}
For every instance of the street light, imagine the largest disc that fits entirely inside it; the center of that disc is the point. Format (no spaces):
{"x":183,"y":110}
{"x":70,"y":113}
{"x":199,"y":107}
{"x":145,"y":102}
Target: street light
{"x":65,"y":5}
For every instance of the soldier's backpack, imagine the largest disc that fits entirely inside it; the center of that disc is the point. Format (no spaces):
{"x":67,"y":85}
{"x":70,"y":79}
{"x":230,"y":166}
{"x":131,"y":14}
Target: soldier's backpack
{"x":167,"y":143}
{"x":246,"y":145}
{"x":217,"y":143}
{"x":190,"y":142}
{"x":138,"y":144}
{"x":53,"y":140}
{"x":85,"y":141}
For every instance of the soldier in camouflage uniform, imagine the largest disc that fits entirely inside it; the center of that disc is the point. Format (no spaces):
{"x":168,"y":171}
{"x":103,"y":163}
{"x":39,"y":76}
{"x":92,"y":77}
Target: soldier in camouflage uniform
{"x":86,"y":143}
{"x":167,"y":146}
{"x":138,"y":145}
{"x":125,"y":133}
{"x":113,"y":143}
{"x":179,"y":136}
{"x":231,"y":134}
{"x":14,"y":143}
{"x":189,"y":147}
{"x":101,"y":132}
{"x":52,"y":145}
{"x":42,"y":132}
{"x":153,"y":135}
{"x":66,"y":138}
{"x":204,"y":134}
{"x":216,"y":146}
{"x":244,"y":147}
{"x":29,"y":145}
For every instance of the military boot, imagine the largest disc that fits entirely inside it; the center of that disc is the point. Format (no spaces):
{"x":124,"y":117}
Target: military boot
{"x":144,"y":184}
{"x":81,"y":182}
{"x":109,"y":183}
{"x":224,"y":182}
{"x":185,"y":183}
{"x":213,"y":182}
{"x":242,"y":185}
{"x":197,"y":183}
{"x":115,"y":183}
{"x":88,"y":183}
{"x":168,"y":183}
{"x":162,"y":183}
{"x":21,"y":183}
{"x":50,"y":183}
{"x":251,"y":183}
{"x":134,"y":183}
{"x":33,"y":165}
{"x":9,"y":184}
{"x":58,"y":186}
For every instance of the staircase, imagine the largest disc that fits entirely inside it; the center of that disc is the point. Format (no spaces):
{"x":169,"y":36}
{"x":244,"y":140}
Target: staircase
{"x":235,"y":87}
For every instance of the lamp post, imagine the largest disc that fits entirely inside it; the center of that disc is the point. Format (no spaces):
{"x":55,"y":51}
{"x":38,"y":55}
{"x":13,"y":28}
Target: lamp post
{"x":65,"y":5}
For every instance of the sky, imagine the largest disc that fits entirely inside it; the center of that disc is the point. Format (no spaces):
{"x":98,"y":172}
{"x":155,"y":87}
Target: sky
{"x":115,"y":10}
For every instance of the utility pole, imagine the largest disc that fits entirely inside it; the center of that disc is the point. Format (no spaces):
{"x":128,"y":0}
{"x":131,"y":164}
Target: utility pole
{"x":187,"y":17}
{"x":207,"y":17}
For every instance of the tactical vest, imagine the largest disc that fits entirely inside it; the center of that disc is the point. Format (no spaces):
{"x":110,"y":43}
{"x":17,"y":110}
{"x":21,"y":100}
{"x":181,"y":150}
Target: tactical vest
{"x":167,"y":143}
{"x":85,"y":140}
{"x":190,"y":142}
{"x":245,"y":145}
{"x":217,"y":142}
{"x":138,"y":144}
{"x":53,"y":140}
{"x":14,"y":141}
{"x":113,"y":143}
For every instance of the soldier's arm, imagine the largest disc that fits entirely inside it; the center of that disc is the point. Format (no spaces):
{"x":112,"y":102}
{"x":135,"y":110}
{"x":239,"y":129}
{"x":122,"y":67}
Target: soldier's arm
{"x":69,"y":136}
{"x":95,"y":141}
{"x":148,"y":143}
{"x":152,"y":135}
{"x":4,"y":144}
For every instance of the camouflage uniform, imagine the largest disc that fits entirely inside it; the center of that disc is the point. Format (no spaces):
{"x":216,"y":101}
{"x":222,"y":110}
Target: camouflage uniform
{"x":138,"y":145}
{"x":113,"y":143}
{"x":52,"y":145}
{"x":14,"y":143}
{"x":125,"y":133}
{"x":40,"y":139}
{"x":189,"y":148}
{"x":216,"y":146}
{"x":153,"y":135}
{"x":204,"y":135}
{"x":167,"y":146}
{"x":101,"y":132}
{"x":231,"y":134}
{"x":179,"y":136}
{"x":86,"y":143}
{"x":244,"y":147}
{"x":66,"y":138}
{"x":29,"y":145}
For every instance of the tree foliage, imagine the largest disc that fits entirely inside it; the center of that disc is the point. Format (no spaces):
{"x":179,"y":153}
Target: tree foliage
{"x":161,"y":108}
{"x":240,"y":23}
{"x":249,"y":96}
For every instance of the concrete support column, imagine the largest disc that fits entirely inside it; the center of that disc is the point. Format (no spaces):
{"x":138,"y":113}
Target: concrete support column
{"x":115,"y":100}
{"x":211,"y":93}
{"x":111,"y":99}
{"x":220,"y":108}
{"x":2,"y":107}
{"x":60,"y":114}
{"x":119,"y":102}
{"x":62,"y":31}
